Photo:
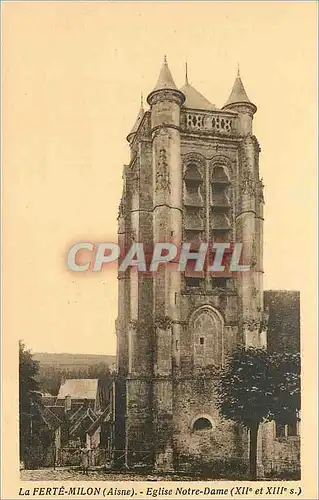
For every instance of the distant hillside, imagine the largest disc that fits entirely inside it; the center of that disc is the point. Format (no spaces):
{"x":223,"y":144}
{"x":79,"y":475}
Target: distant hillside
{"x":66,"y":360}
{"x":54,"y":367}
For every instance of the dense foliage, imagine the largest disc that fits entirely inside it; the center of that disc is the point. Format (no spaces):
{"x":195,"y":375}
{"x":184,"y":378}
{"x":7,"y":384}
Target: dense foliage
{"x":255,"y":387}
{"x":29,"y":403}
{"x":50,"y":377}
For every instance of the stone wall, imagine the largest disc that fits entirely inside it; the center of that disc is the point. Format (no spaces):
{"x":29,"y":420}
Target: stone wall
{"x":197,"y":449}
{"x":280,"y":456}
{"x":284,"y":320}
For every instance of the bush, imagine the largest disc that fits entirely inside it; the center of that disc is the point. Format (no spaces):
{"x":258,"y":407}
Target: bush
{"x":284,"y":475}
{"x":218,"y":468}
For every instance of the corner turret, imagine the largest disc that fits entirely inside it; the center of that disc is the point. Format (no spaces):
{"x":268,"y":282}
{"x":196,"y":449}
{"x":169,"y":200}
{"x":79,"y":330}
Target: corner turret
{"x":239,"y":102}
{"x":137,"y":122}
{"x":165,"y":88}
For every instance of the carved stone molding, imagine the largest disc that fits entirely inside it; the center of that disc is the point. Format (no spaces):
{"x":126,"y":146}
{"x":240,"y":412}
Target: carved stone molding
{"x":132,"y":236}
{"x":219,"y":159}
{"x":162,"y":172}
{"x":138,"y":325}
{"x":193,"y":157}
{"x":222,"y":161}
{"x":260,"y":191}
{"x":145,"y":126}
{"x":163,"y":322}
{"x":133,"y":324}
{"x":254,"y":254}
{"x":247,"y":182}
{"x":255,"y":142}
{"x":166,"y":95}
{"x":251,"y":324}
{"x":254,"y":292}
{"x":136,"y":180}
{"x":161,"y":130}
{"x":264,"y":319}
{"x":122,"y":211}
{"x":259,"y":323}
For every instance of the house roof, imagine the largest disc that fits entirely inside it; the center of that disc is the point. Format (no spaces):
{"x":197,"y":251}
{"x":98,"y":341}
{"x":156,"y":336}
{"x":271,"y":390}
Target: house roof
{"x":58,"y":410}
{"x":78,"y":413}
{"x":194,"y":99}
{"x":137,"y":122}
{"x":104,"y":417}
{"x":48,"y":400}
{"x":85,"y":388}
{"x":52,"y":421}
{"x":86,"y":418}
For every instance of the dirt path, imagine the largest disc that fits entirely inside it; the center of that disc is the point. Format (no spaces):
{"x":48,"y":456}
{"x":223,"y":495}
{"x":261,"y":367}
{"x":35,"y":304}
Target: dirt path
{"x":75,"y":475}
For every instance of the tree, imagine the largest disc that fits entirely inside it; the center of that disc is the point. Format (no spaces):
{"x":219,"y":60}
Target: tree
{"x":284,"y":384}
{"x":256,"y":387}
{"x":50,"y":377}
{"x":29,"y":401}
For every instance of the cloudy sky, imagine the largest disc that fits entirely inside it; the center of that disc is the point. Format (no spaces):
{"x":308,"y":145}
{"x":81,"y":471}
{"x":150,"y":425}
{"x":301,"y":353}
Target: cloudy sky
{"x":72,"y":76}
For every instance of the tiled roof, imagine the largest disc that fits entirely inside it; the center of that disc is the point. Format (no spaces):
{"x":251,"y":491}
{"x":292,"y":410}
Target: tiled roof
{"x":52,"y":421}
{"x":78,"y":413}
{"x":48,"y":400}
{"x":86,"y":418}
{"x":137,"y":121}
{"x":79,"y":388}
{"x":58,"y":410}
{"x":165,"y":79}
{"x":104,"y":417}
{"x":195,"y":99}
{"x":238,"y":94}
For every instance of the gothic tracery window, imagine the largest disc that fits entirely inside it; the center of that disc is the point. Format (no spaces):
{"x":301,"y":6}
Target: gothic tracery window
{"x":193,"y":205}
{"x":220,"y":203}
{"x":192,"y":183}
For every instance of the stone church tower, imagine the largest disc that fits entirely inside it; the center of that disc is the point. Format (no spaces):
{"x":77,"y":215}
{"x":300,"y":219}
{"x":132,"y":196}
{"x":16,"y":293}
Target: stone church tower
{"x":193,"y":177}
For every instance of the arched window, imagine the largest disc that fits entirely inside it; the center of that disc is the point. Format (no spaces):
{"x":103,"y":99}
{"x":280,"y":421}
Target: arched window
{"x":220,"y":183}
{"x":207,"y":328}
{"x":193,"y":180}
{"x":202,"y":424}
{"x":192,"y":173}
{"x":220,"y":204}
{"x":219,"y":174}
{"x":193,"y":202}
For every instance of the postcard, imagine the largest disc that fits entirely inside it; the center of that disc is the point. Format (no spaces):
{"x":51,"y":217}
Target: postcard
{"x":159,"y":173}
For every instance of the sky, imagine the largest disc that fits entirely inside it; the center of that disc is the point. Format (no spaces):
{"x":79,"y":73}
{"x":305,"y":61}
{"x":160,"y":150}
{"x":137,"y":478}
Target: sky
{"x":72,"y":78}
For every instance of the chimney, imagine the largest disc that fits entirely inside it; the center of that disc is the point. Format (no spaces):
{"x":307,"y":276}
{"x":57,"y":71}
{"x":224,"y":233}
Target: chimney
{"x":68,"y":403}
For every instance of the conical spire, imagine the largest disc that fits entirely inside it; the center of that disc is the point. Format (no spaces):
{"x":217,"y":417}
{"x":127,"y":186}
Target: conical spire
{"x":238,"y":94}
{"x":193,"y":98}
{"x":138,"y":119}
{"x":165,"y":79}
{"x":165,"y":82}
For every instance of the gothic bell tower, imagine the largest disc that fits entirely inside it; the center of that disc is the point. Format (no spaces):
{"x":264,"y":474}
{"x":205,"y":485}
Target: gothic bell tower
{"x":193,"y":177}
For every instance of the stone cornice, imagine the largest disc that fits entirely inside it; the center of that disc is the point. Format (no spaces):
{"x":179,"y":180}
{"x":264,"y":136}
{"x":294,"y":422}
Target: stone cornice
{"x":164,"y":126}
{"x":162,"y":95}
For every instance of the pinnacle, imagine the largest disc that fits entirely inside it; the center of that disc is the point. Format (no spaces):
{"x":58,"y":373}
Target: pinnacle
{"x":238,"y":94}
{"x":165,"y":79}
{"x":138,"y":120}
